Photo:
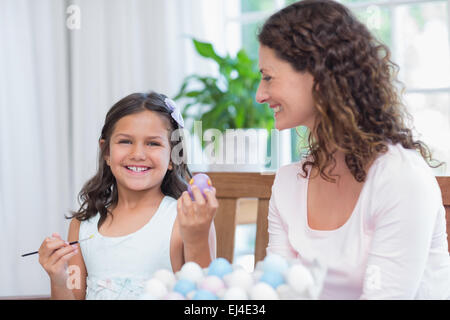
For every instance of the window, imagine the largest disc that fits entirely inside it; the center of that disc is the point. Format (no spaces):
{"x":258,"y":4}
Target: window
{"x":417,"y":33}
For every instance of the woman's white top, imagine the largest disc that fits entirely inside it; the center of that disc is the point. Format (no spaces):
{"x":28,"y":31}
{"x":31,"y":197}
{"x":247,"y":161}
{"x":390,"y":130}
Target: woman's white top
{"x":117,"y":267}
{"x":393,"y":246}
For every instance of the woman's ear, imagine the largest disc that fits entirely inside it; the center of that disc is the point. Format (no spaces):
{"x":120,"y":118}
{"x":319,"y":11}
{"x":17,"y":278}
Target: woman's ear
{"x":101,"y":144}
{"x":170,"y":167}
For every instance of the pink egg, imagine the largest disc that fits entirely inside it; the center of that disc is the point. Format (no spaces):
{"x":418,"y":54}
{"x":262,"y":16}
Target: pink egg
{"x":212,"y":283}
{"x":202,"y":181}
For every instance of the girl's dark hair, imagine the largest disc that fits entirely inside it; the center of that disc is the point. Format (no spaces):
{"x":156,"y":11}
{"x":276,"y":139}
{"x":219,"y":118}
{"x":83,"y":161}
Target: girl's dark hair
{"x":359,"y":110}
{"x":100,"y":192}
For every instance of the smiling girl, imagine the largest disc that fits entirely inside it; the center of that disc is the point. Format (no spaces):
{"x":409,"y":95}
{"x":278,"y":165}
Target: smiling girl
{"x":131,"y":209}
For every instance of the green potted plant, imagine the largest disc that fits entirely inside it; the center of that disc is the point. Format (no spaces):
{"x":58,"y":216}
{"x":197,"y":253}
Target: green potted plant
{"x":226,"y":101}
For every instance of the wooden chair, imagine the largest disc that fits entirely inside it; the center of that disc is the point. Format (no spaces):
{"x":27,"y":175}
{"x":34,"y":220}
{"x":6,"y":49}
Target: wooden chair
{"x":231,"y":186}
{"x":444,"y":184}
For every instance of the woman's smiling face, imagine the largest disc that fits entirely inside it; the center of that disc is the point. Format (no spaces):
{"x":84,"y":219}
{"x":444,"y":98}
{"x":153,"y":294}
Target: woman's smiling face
{"x":139,"y":151}
{"x":287,"y":91}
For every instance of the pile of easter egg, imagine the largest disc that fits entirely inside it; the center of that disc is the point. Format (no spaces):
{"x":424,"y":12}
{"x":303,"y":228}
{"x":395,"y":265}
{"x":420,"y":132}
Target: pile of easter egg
{"x":274,"y":278}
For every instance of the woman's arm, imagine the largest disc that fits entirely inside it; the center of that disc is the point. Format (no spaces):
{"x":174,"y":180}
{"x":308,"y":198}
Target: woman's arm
{"x":404,"y":217}
{"x":278,"y":231}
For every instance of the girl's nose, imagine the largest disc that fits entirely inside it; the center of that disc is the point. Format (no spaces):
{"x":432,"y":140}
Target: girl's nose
{"x":138,"y":152}
{"x":261,"y":94}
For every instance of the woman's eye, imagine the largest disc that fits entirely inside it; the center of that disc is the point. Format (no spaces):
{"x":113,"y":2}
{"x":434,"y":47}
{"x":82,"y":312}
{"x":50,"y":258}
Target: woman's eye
{"x":124,"y":141}
{"x":267,"y":78}
{"x":153,"y":144}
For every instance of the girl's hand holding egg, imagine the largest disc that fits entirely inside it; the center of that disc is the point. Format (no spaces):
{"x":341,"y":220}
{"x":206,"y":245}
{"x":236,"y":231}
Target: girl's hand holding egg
{"x":197,"y":213}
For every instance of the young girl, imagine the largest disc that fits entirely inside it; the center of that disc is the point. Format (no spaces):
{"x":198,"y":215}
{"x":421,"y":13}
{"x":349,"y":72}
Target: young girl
{"x":364,"y":199}
{"x":130,"y":208}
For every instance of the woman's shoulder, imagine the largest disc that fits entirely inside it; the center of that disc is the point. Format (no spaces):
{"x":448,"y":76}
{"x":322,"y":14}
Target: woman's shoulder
{"x":289,"y":177}
{"x":402,"y":164}
{"x":403,"y":171}
{"x":291,"y":171}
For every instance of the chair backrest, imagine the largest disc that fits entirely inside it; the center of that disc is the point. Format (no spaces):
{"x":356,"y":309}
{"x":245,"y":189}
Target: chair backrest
{"x":444,"y":184}
{"x":232,"y":186}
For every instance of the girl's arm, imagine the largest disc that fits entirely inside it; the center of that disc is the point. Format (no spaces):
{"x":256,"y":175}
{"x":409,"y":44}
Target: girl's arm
{"x":195,"y":220}
{"x":64,"y":264}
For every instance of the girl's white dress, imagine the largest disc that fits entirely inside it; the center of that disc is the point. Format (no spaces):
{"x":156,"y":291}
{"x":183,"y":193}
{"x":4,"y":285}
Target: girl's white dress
{"x":119,"y":266}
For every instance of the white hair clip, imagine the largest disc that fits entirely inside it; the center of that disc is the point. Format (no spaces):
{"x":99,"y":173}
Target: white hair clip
{"x":176,"y":114}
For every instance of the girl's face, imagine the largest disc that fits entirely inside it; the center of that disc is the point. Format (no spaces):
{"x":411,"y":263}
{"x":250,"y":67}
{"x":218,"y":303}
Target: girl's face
{"x":287,"y":91}
{"x":139,"y":152}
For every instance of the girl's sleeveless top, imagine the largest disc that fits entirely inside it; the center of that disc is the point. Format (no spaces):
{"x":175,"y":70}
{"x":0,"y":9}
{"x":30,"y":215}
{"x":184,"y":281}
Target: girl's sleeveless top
{"x":117,"y":267}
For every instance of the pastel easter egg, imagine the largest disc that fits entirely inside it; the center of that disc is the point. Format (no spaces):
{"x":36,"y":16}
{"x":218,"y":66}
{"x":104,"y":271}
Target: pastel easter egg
{"x":204,"y":295}
{"x":219,"y":267}
{"x":235,"y":293}
{"x":202,"y":181}
{"x":174,"y":296}
{"x":184,"y":286}
{"x":273,"y":278}
{"x":156,"y":288}
{"x":275,"y":262}
{"x":263,"y":291}
{"x":213,"y":284}
{"x":299,"y":278}
{"x":191,"y":271}
{"x":165,"y":276}
{"x":239,"y":278}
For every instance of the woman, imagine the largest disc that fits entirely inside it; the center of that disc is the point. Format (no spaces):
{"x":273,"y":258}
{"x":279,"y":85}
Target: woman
{"x":364,"y":199}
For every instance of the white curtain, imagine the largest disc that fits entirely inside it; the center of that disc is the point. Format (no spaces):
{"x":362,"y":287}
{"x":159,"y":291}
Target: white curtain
{"x":56,"y":85}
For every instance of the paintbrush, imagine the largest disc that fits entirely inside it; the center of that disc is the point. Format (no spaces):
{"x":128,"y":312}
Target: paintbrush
{"x":73,"y":242}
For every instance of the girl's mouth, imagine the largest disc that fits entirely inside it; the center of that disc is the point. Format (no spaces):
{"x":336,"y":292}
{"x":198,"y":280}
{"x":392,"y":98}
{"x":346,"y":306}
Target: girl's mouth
{"x":137,"y":170}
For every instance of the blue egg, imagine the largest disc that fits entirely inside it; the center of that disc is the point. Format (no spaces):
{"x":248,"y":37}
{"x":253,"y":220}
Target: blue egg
{"x":272,"y":278}
{"x":274,"y":262}
{"x":204,"y":295}
{"x":184,"y":286}
{"x":219,"y":267}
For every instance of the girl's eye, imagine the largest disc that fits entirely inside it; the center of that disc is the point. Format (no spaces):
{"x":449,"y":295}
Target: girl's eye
{"x":267,"y":78}
{"x":124,"y":141}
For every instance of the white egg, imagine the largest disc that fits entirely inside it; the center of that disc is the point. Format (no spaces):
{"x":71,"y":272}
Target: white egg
{"x":174,"y":296}
{"x":212,"y":283}
{"x":167,"y":277}
{"x":235,"y":293}
{"x":257,"y":275}
{"x":275,"y":262}
{"x":191,"y":294}
{"x":155,"y":288}
{"x":191,"y":271}
{"x":263,"y":291}
{"x":239,"y":278}
{"x":299,"y":278}
{"x":285,"y":292}
{"x":147,"y":296}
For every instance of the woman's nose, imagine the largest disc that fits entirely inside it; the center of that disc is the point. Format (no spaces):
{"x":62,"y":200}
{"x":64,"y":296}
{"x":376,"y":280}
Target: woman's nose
{"x":261,"y":94}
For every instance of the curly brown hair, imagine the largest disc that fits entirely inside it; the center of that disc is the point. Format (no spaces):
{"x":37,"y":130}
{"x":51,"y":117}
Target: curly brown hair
{"x":359,"y":109}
